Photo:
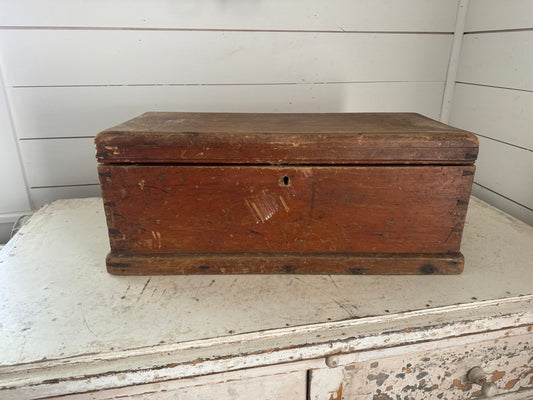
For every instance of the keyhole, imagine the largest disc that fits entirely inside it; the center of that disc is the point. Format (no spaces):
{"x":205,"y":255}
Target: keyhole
{"x":286,"y":180}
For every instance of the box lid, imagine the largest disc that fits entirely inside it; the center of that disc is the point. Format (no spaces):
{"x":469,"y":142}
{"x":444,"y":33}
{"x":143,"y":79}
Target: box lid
{"x":238,"y":138}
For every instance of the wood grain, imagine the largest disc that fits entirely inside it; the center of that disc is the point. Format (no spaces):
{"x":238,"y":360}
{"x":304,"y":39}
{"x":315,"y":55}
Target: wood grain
{"x":333,"y":138}
{"x":234,"y":209}
{"x":268,"y":193}
{"x":279,"y":263}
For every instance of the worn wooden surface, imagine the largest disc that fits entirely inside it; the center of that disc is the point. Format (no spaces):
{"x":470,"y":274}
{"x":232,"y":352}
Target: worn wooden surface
{"x":269,"y":263}
{"x":68,"y":326}
{"x":231,"y":212}
{"x":336,"y":138}
{"x":313,"y":219}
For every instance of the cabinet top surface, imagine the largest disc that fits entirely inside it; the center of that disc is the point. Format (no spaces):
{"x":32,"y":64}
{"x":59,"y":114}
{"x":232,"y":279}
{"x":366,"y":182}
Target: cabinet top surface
{"x":58,"y":301}
{"x":245,"y":138}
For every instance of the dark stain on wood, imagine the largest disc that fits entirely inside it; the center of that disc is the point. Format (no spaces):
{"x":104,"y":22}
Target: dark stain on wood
{"x":289,"y":269}
{"x":428,"y":269}
{"x":358,"y":271}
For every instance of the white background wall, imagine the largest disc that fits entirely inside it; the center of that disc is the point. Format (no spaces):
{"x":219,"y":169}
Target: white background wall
{"x":494,"y":98}
{"x":72,"y":68}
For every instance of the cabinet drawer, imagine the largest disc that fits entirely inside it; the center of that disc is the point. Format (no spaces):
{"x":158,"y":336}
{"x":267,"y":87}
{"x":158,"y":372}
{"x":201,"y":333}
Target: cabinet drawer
{"x":234,"y":385}
{"x":433,"y":371}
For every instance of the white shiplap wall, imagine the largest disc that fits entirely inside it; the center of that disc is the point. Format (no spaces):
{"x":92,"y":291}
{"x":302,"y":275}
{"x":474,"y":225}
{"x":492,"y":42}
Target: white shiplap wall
{"x":494,"y":98}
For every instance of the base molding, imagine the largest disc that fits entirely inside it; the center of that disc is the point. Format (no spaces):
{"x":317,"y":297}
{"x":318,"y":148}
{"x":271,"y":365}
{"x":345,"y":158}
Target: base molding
{"x":284,"y":263}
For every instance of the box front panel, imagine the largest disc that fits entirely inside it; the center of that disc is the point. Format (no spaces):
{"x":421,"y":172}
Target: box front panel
{"x":273,"y":209}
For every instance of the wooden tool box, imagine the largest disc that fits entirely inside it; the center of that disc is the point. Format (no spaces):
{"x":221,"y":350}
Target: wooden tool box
{"x":349,"y":193}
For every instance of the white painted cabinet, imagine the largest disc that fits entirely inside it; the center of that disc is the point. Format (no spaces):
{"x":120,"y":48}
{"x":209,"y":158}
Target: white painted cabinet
{"x":72,"y":331}
{"x":434,"y":370}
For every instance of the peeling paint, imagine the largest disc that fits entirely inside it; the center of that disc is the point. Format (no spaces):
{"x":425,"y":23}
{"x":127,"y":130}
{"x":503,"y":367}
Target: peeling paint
{"x":497,"y":375}
{"x":336,"y":395}
{"x":510,"y":384}
{"x":379,"y":378}
{"x":461,"y":386}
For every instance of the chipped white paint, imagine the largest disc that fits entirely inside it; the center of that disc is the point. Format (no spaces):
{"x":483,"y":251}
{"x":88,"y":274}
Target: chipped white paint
{"x":70,"y":327}
{"x":435,"y":370}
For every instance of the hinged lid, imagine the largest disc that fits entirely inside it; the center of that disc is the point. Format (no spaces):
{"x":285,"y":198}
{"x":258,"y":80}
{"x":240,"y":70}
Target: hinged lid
{"x":231,"y":138}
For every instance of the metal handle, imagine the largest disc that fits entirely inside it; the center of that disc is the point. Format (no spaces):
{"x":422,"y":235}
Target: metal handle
{"x":477,"y":376}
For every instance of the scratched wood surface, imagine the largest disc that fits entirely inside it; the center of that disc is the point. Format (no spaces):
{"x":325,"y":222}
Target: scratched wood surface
{"x":207,"y":202}
{"x":178,"y":219}
{"x":335,"y":138}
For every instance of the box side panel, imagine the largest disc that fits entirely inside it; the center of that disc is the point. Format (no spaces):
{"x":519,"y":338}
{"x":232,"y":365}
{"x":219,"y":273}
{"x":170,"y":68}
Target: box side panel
{"x":206,"y":209}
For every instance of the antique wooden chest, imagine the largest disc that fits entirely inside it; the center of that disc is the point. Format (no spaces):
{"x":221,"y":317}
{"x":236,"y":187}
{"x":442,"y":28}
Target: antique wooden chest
{"x":348,"y":193}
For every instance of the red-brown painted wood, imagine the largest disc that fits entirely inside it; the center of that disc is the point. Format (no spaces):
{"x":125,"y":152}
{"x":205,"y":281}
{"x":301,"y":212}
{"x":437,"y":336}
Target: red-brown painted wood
{"x":288,"y":263}
{"x":195,"y":193}
{"x":231,"y":138}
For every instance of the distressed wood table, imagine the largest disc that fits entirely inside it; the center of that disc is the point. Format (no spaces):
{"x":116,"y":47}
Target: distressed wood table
{"x":70,"y":329}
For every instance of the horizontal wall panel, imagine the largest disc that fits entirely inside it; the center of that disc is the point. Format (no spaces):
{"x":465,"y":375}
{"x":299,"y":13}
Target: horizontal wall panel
{"x":502,"y":59}
{"x":58,"y":162}
{"x":42,"y":196}
{"x":84,"y":111}
{"x":79,"y":57}
{"x":504,"y":204}
{"x":485,"y":15}
{"x":502,"y":114}
{"x":338,"y":15}
{"x":506,"y":170}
